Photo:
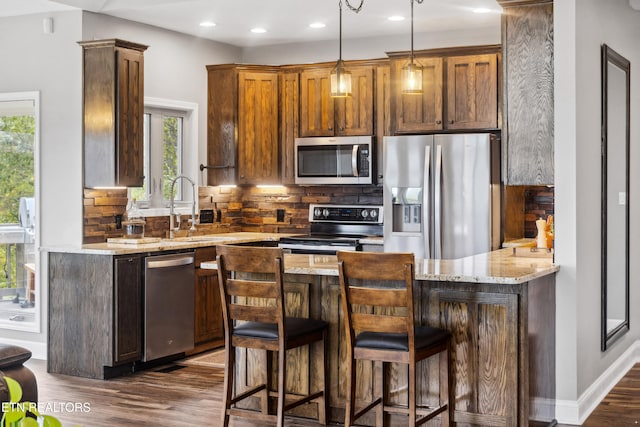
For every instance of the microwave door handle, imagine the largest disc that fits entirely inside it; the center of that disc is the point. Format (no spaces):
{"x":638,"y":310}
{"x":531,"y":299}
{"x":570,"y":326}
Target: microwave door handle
{"x":354,"y":160}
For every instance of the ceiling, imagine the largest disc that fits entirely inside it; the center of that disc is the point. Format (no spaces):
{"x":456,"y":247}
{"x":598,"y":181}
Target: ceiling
{"x":286,"y":21}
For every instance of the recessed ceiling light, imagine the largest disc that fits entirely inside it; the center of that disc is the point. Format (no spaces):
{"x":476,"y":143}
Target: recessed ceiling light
{"x":396,"y":18}
{"x":208,"y":24}
{"x":481,"y":10}
{"x":258,"y":30}
{"x":317,"y":25}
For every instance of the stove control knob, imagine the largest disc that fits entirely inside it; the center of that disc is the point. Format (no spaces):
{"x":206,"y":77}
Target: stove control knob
{"x":325,"y":212}
{"x":365,"y":213}
{"x":317,"y":212}
{"x":374,"y":213}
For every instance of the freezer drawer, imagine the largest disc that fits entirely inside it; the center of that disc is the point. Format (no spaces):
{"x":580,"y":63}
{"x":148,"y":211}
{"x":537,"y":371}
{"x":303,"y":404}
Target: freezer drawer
{"x":168,"y":305}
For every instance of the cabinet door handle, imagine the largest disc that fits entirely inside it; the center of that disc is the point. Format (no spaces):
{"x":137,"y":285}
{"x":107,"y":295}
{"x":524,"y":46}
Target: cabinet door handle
{"x":451,"y":122}
{"x":438,"y":122}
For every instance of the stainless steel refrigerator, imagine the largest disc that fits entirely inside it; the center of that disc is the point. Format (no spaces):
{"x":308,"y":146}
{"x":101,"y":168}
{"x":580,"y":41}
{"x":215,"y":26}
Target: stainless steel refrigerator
{"x":442,"y":195}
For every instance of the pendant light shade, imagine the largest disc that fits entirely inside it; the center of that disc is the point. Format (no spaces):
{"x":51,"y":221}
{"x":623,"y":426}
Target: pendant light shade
{"x":411,"y":76}
{"x":411,"y":79}
{"x":340,"y":81}
{"x":340,"y":78}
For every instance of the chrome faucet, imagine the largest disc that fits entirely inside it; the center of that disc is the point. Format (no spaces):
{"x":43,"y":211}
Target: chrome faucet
{"x":172,"y":228}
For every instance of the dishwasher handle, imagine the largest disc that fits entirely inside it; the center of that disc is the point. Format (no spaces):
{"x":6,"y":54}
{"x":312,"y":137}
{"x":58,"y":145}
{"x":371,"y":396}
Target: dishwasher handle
{"x":175,"y":262}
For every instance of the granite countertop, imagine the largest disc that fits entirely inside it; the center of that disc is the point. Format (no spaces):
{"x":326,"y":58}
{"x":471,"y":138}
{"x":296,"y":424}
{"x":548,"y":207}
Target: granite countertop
{"x":504,"y":266}
{"x":169,"y":244}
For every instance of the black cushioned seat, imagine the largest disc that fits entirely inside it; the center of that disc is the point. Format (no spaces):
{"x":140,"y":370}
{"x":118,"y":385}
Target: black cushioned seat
{"x":425,"y":337}
{"x":294,"y":327}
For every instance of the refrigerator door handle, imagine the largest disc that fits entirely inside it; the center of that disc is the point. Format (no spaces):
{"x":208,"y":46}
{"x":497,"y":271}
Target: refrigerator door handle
{"x":426,"y":198}
{"x":354,"y":160}
{"x":437,"y":212}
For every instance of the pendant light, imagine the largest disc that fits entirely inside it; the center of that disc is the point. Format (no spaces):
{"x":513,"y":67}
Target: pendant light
{"x":340,"y":77}
{"x":411,"y":76}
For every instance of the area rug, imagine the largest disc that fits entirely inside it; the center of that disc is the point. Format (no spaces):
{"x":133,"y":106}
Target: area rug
{"x":211,"y":359}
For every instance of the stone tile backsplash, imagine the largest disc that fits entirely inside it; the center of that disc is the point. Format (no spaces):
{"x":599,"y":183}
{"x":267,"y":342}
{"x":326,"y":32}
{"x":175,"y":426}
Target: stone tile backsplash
{"x":235,"y":209}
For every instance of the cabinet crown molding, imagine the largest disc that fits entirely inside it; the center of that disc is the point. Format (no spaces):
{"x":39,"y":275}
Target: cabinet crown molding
{"x":113,"y":43}
{"x":515,"y":3}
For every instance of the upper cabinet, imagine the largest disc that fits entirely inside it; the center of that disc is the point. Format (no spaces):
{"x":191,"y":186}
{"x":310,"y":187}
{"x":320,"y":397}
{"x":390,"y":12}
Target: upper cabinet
{"x":472,"y":92}
{"x":289,"y":87}
{"x":322,"y":115}
{"x":418,"y":113}
{"x":459,"y":92}
{"x":243,"y":122}
{"x":113,"y":107}
{"x":527,"y":135}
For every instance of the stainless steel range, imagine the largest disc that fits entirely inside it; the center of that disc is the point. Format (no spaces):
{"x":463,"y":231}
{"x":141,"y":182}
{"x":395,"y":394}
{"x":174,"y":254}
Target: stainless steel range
{"x":336,"y":228}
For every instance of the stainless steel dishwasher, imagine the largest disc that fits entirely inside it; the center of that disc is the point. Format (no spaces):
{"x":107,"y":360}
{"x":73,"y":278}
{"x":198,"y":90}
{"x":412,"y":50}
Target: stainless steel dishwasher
{"x":168,"y":304}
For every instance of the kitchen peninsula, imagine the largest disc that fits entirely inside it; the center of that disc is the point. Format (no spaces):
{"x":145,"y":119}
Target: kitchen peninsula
{"x":500,"y":307}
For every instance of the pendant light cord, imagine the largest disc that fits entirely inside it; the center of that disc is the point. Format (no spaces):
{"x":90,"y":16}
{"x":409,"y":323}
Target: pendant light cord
{"x":340,"y":47}
{"x":419,"y":2}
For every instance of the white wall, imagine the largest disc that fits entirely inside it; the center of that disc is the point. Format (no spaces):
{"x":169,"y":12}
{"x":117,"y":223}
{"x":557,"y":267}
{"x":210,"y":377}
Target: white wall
{"x":580,"y":29}
{"x":50,"y":64}
{"x":366,"y":48}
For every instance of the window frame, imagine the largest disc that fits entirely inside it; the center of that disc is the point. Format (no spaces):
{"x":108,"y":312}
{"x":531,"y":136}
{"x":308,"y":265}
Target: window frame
{"x":189,"y":156}
{"x":36,"y":325}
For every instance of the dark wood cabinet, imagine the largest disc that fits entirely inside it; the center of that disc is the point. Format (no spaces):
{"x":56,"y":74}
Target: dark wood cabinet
{"x":418,"y":113}
{"x":460,"y":92}
{"x":322,"y":115}
{"x":242,"y":131}
{"x":472,"y":92}
{"x":209,"y":331}
{"x":95,"y":314}
{"x":113,"y":109}
{"x":289,"y":122}
{"x":127,"y":316}
{"x":527,"y":135}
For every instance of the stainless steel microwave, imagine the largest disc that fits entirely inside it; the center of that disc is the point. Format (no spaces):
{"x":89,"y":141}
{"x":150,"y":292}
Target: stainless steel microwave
{"x":334,"y":160}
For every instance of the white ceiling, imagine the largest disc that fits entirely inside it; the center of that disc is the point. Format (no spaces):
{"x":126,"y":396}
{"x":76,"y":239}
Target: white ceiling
{"x":286,"y":21}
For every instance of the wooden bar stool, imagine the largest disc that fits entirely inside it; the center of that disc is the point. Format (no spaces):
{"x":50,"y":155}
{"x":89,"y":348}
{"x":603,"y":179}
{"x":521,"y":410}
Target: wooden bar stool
{"x":377,"y":302}
{"x":253,"y":315}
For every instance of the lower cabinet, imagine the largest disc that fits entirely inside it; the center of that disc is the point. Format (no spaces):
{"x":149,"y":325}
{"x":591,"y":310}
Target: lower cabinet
{"x":95,"y":314}
{"x":209,"y":330}
{"x":127,"y":318}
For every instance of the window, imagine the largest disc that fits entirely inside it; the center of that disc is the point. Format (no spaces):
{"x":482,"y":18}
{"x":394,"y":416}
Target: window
{"x":170,"y":150}
{"x":19,"y":294}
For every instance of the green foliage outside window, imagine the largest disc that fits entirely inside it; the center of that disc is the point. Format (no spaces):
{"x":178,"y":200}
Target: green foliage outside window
{"x":171,"y":133}
{"x":17,"y":135}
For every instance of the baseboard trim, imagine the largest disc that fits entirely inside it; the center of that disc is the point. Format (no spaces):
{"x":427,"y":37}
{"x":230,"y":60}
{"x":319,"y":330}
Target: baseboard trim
{"x":576,"y":412}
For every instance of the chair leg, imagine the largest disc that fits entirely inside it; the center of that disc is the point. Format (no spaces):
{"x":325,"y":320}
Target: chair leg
{"x":264,"y":399}
{"x":229,"y":374}
{"x":349,"y":409}
{"x":412,"y":394}
{"x":451,"y":384}
{"x":379,"y":372}
{"x":282,"y":375}
{"x":323,"y":405}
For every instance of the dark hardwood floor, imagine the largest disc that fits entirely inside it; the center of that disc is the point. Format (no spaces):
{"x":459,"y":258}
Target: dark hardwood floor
{"x":191,"y":396}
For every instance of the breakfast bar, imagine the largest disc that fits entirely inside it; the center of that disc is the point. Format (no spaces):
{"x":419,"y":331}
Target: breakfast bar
{"x":500,"y":307}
